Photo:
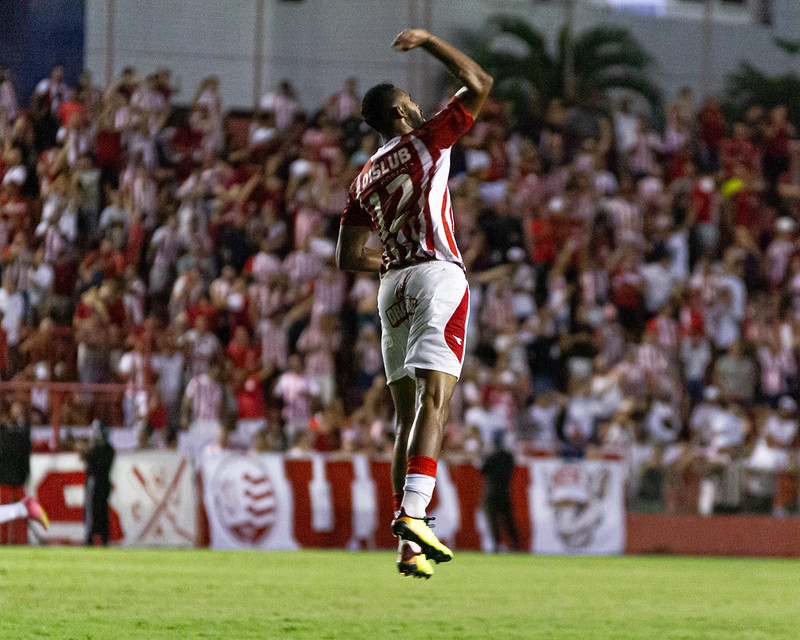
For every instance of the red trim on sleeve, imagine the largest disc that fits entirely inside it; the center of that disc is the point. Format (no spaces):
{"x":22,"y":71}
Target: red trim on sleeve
{"x":470,"y":119}
{"x":445,"y":222}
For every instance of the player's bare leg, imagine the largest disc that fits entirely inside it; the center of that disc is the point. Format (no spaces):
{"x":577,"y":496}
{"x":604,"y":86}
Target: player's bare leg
{"x":410,"y":559}
{"x":404,"y":395}
{"x":434,"y":390}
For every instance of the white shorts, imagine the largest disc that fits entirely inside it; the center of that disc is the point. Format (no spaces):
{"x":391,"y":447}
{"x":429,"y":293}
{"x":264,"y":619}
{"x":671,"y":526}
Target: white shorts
{"x":424,"y":312}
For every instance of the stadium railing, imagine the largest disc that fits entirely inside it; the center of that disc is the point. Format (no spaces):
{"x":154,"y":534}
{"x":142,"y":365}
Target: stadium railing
{"x":53,"y":407}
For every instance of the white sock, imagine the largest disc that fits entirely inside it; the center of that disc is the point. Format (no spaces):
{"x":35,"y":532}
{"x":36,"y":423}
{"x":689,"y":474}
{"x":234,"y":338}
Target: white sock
{"x":417,"y":494}
{"x":9,"y":512}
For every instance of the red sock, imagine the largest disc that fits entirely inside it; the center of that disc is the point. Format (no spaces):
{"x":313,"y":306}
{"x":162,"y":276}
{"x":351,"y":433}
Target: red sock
{"x":422,"y":465}
{"x":397,"y":500}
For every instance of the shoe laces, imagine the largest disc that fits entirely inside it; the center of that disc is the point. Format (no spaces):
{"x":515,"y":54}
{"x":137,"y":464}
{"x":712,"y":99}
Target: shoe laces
{"x":426,"y":519}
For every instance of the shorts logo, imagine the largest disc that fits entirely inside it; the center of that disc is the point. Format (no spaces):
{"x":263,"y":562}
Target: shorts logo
{"x":403,"y":309}
{"x":244,"y":499}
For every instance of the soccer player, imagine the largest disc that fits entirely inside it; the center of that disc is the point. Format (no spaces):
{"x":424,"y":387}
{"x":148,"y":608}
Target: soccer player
{"x":26,"y":508}
{"x":423,"y":299}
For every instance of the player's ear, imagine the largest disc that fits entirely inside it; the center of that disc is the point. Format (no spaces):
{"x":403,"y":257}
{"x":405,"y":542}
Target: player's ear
{"x":397,"y":112}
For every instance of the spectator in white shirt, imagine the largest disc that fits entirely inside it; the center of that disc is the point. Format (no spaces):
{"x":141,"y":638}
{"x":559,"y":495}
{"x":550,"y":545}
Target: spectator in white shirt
{"x":659,"y":283}
{"x":283,"y":103}
{"x":297,"y":391}
{"x":203,"y":400}
{"x":662,"y":421}
{"x":169,"y":365}
{"x":487,"y":419}
{"x":12,"y":307}
{"x":695,"y":358}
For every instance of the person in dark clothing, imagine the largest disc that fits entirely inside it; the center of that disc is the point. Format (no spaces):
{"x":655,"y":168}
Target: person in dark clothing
{"x":497,"y":469}
{"x":15,"y":453}
{"x":98,"y":457}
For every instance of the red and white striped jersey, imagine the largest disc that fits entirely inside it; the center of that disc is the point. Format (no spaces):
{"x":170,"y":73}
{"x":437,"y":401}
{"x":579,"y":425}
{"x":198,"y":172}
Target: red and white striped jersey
{"x":402,"y":192}
{"x":206,"y":395}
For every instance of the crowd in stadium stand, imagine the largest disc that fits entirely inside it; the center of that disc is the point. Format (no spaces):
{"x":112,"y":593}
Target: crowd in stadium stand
{"x":635,"y":291}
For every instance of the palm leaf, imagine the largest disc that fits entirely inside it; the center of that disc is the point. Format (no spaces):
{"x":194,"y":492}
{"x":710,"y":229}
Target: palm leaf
{"x":631,"y":81}
{"x":791,"y":47}
{"x":605,"y":57}
{"x":602,"y":46}
{"x":748,"y":86}
{"x":511,"y":25}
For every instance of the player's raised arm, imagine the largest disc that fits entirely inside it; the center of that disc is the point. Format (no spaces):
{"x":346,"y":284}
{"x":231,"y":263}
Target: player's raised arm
{"x":477,"y":83}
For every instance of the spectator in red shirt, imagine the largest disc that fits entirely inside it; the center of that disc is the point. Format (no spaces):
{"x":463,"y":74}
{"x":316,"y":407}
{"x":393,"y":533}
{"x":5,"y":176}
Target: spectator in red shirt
{"x":738,"y":149}
{"x":250,"y":400}
{"x":777,"y":134}
{"x":712,"y":127}
{"x":240,"y":351}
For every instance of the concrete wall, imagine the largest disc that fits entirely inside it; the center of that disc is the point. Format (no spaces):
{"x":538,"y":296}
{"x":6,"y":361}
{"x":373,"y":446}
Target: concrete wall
{"x":318,"y":43}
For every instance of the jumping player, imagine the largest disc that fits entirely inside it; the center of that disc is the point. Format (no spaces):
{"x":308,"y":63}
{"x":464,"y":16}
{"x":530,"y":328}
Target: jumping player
{"x":26,"y":508}
{"x":423,"y":299}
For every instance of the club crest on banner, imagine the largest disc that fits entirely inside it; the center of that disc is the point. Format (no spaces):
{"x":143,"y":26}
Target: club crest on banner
{"x":576,"y":495}
{"x":577,"y":508}
{"x":244,"y":499}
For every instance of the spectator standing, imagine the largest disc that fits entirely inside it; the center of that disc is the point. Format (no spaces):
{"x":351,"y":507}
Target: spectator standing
{"x":696,"y":358}
{"x":735,"y":375}
{"x":15,"y":451}
{"x":169,"y":366}
{"x":99,"y":457}
{"x":297,"y":392}
{"x":497,"y":470}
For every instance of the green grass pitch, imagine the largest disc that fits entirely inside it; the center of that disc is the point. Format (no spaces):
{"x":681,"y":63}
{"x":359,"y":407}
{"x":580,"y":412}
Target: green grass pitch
{"x":105,"y":594}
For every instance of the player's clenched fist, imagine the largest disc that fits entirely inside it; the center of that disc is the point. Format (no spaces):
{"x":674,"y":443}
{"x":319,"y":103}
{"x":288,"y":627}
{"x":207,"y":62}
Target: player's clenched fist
{"x":411,"y":39}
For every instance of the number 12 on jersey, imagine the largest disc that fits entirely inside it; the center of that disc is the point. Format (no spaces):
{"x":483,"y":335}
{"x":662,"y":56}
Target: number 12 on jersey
{"x":403,"y":181}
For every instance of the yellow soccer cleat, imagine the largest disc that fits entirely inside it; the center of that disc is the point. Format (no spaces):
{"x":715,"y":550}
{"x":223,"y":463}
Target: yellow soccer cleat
{"x":413,"y":563}
{"x":417,"y":530}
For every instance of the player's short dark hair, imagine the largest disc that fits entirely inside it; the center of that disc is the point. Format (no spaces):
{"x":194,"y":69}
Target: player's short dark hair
{"x":376,"y":106}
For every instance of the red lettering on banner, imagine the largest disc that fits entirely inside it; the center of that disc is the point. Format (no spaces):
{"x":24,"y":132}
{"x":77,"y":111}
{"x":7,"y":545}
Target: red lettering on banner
{"x":16,"y":531}
{"x":298,"y":473}
{"x":50,"y":494}
{"x":382,"y":476}
{"x":520,"y":480}
{"x":469,"y":484}
{"x":340,"y":476}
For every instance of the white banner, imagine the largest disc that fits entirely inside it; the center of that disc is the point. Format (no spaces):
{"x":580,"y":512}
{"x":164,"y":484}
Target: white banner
{"x":248,"y":500}
{"x":155,"y":499}
{"x":577,"y":508}
{"x":264,"y":501}
{"x":152,"y":501}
